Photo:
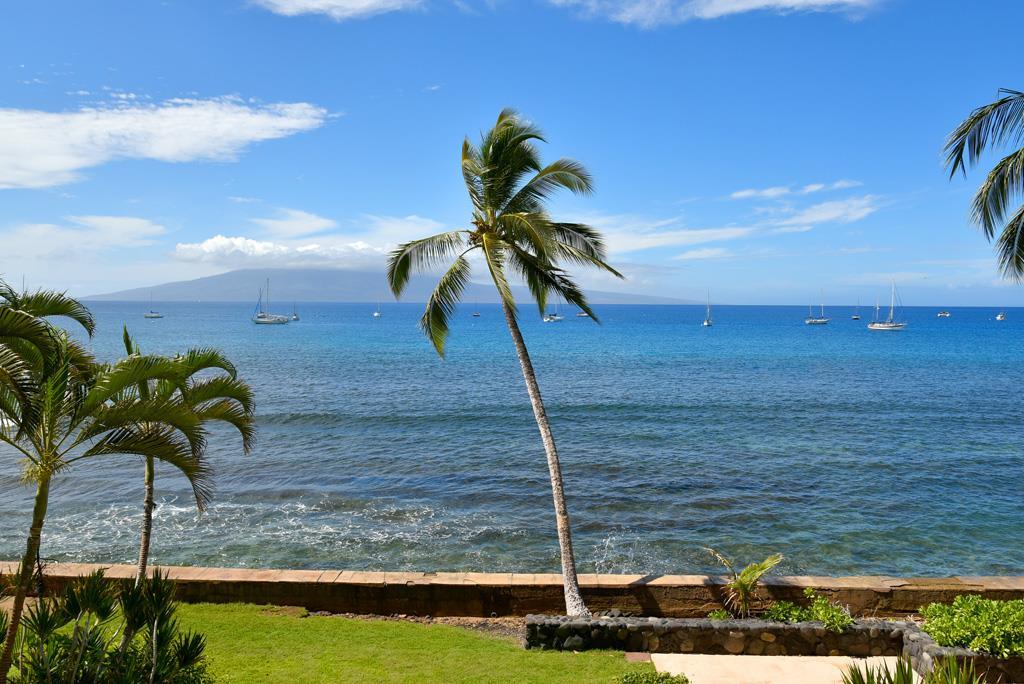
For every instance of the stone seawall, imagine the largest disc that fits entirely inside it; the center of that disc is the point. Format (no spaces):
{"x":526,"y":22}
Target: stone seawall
{"x":520,"y":594}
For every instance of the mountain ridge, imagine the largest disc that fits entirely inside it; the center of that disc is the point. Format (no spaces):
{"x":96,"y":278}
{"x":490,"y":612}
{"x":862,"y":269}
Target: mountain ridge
{"x":332,"y":285}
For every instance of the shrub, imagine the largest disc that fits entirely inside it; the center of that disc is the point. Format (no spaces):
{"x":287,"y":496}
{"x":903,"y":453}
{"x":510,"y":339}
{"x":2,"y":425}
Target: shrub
{"x":95,"y":633}
{"x":741,"y":589}
{"x":983,"y":625}
{"x":835,"y":617}
{"x":947,"y":671}
{"x":649,"y":677}
{"x":719,"y":614}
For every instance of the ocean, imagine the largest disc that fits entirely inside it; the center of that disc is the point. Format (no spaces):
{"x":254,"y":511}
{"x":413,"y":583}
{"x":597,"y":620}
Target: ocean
{"x":848,"y":451}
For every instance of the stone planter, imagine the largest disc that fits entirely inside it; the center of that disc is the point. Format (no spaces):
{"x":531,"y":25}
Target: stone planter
{"x":759,"y":637}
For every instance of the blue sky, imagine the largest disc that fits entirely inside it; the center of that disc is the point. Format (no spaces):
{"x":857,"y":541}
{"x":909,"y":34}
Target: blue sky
{"x":763,"y":149}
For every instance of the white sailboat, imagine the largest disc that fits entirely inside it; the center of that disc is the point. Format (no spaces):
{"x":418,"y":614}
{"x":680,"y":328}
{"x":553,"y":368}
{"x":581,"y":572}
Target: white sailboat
{"x":890,"y":323}
{"x":1001,"y":316}
{"x":707,"y":315}
{"x":263,"y":315}
{"x":817,"y":320}
{"x":377,"y":313}
{"x":295,"y":314}
{"x":856,"y":312}
{"x":553,"y":317}
{"x":152,"y":313}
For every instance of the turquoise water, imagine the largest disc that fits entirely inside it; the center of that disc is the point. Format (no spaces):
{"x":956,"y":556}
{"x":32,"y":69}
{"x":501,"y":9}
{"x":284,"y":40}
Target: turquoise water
{"x":848,"y":451}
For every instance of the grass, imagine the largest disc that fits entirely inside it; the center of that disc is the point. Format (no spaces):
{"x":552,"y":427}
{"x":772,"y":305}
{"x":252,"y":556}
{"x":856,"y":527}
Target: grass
{"x":247,"y":643}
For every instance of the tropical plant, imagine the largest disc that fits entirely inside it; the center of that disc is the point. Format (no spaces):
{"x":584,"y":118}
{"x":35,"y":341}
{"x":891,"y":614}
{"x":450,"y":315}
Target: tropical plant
{"x":102,"y":633}
{"x":946,"y":671}
{"x":741,"y":589}
{"x":835,"y":617}
{"x":508,"y":187}
{"x":76,"y":409}
{"x":990,"y":127}
{"x":980,"y":624}
{"x":213,"y":398}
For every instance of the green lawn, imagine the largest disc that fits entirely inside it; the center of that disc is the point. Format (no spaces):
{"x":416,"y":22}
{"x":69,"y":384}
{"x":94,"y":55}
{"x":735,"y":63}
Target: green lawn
{"x":247,"y":643}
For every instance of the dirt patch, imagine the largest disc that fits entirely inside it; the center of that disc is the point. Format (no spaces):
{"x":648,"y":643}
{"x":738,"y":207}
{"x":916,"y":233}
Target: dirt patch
{"x":286,"y":611}
{"x":507,"y":627}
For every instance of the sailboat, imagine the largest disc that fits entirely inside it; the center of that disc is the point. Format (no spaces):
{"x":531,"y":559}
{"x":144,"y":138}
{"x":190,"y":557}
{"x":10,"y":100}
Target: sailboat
{"x":1001,"y":316}
{"x":263,"y":315}
{"x":377,"y":313}
{"x":817,"y":320}
{"x":707,"y":315}
{"x":943,"y":314}
{"x":856,"y":312}
{"x":152,"y":313}
{"x":553,"y":317}
{"x":890,"y":323}
{"x":295,"y":314}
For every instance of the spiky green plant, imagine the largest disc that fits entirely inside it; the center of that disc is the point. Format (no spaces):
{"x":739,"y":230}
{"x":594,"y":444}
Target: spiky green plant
{"x":992,"y":127}
{"x":741,"y":589}
{"x":516,"y":238}
{"x":74,"y":637}
{"x":946,"y":671}
{"x":221,"y":397}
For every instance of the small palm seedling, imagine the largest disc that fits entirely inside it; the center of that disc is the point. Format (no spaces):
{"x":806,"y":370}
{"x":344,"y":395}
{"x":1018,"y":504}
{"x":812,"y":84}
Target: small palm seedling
{"x":741,"y":590}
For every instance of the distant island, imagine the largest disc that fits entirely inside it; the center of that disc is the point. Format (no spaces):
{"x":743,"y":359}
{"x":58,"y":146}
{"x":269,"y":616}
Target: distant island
{"x":332,"y":285}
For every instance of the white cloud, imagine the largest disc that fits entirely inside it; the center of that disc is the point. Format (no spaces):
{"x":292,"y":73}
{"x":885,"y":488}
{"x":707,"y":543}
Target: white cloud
{"x":777,"y":191}
{"x":293,"y":223}
{"x":42,"y":149}
{"x":240,"y":199}
{"x":626,"y":233}
{"x":80,"y":236}
{"x":838,"y":211}
{"x":704,"y":253}
{"x":885,"y":279}
{"x":651,"y":13}
{"x":365,"y":243}
{"x":339,"y":10}
{"x":768,"y":193}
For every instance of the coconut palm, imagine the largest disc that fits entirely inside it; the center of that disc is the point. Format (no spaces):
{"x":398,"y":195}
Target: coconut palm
{"x":218,"y":398}
{"x":508,"y":187}
{"x":990,"y":127}
{"x":78,"y":410}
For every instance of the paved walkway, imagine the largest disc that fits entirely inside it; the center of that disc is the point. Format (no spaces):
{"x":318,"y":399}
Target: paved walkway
{"x":738,"y":669}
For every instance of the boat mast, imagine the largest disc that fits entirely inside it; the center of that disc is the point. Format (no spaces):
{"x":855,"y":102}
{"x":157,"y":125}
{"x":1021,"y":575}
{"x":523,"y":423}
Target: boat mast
{"x":892,"y":303}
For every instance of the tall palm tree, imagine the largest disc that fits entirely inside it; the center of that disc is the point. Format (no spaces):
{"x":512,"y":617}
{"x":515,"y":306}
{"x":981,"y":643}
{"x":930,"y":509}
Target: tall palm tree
{"x":77,"y":410}
{"x":217,"y":398}
{"x":990,"y":127}
{"x":508,"y":187}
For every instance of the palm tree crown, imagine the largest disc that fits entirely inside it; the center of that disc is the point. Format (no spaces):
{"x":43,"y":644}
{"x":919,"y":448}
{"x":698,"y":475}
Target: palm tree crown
{"x":508,"y":186}
{"x":995,"y":125}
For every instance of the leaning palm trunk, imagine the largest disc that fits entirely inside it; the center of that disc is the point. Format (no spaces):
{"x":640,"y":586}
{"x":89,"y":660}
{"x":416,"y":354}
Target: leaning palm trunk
{"x":574,"y":604}
{"x":147,"y":524}
{"x":25,"y":573}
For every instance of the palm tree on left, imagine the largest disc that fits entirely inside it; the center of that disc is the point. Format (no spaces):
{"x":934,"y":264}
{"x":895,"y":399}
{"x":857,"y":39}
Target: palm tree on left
{"x":58,"y":406}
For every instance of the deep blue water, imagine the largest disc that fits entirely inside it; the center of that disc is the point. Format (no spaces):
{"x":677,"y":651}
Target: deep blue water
{"x":848,"y":451}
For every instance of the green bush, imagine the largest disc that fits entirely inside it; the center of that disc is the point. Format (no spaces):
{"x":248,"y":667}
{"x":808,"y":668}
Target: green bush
{"x":648,"y":677}
{"x":94,"y":633}
{"x":719,"y":614}
{"x":983,"y":625}
{"x":835,"y":617}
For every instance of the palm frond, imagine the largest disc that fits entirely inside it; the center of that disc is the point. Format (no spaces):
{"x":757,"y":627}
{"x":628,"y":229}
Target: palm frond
{"x":421,"y":254}
{"x":443,"y":302}
{"x":204,"y":358}
{"x":563,"y":174}
{"x":218,"y":388}
{"x":1010,"y":247}
{"x":543,"y":278}
{"x":494,"y":255}
{"x":1003,"y":185}
{"x":992,"y":125}
{"x":163,"y":444}
{"x":232,"y":413}
{"x":50,"y":304}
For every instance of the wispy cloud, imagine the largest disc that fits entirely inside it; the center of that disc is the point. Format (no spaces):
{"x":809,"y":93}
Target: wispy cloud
{"x":838,"y":211}
{"x":80,"y":235}
{"x":777,"y":191}
{"x":293,"y":223}
{"x":339,"y":10}
{"x":41,"y":149}
{"x":704,"y":253}
{"x":625,"y":233}
{"x":652,"y":13}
